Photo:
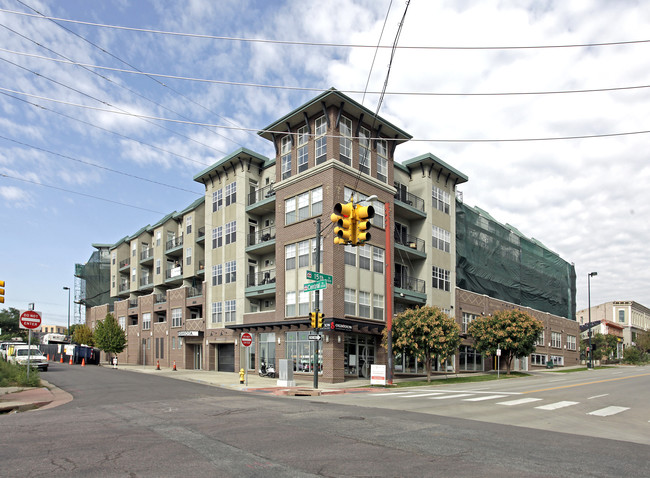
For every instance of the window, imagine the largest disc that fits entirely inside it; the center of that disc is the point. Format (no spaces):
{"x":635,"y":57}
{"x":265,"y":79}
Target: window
{"x":571,"y":342}
{"x":217,"y":200}
{"x":378,"y":220}
{"x":303,"y":253}
{"x":231,"y":193}
{"x":122,"y":322}
{"x":231,"y":311}
{"x":231,"y":232}
{"x":158,"y":238}
{"x":364,"y":150}
{"x":377,"y":307}
{"x":540,"y":339}
{"x":231,"y":271}
{"x":114,"y":256}
{"x":350,"y":255}
{"x":133,"y":275}
{"x":317,"y":201}
{"x":303,"y":156}
{"x":345,"y":140}
{"x":382,"y":160}
{"x":285,"y":154}
{"x":217,"y":312}
{"x":621,"y":315}
{"x":134,"y":249}
{"x":440,"y":279}
{"x":537,"y":359}
{"x":188,"y":224}
{"x":188,"y":256}
{"x":301,"y":352}
{"x":316,"y":305}
{"x":158,"y":268}
{"x":290,"y":305}
{"x":303,"y":302}
{"x":289,"y":257}
{"x":177,"y":317}
{"x":290,"y":211}
{"x":467,"y":320}
{"x":216,"y":274}
{"x":350,"y":301}
{"x":217,"y":237}
{"x":378,"y":260}
{"x":441,"y":238}
{"x":173,"y":343}
{"x":364,"y":304}
{"x":440,"y":199}
{"x":113,"y":281}
{"x":364,"y":257}
{"x":303,"y":206}
{"x":557,"y":360}
{"x":321,"y":140}
{"x":146,"y":321}
{"x":556,"y":340}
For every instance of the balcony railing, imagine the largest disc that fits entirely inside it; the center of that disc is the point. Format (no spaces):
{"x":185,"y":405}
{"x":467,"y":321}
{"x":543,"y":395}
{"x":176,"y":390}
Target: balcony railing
{"x":133,"y":303}
{"x":160,"y":298}
{"x":173,"y":243}
{"x":176,"y":272}
{"x":146,"y":254}
{"x":260,"y":278}
{"x":124,"y":286}
{"x":125,"y":263}
{"x":409,"y":241}
{"x":145,"y":281}
{"x":195,"y":292}
{"x":201,"y":265}
{"x":263,"y":235}
{"x":259,"y":194}
{"x":410,"y":199}
{"x":410,"y":283}
{"x":200,"y":232}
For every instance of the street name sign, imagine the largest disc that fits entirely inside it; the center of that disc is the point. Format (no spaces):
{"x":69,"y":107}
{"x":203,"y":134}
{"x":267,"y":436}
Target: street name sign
{"x":321,"y":284}
{"x":29,"y":319}
{"x":311,"y":275}
{"x":315,"y":337}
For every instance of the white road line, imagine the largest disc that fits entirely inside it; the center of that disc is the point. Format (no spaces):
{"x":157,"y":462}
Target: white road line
{"x":421,"y":395}
{"x":607,"y":411}
{"x":458,"y":395}
{"x":485,"y":397}
{"x":598,"y":396}
{"x":520,"y":401}
{"x":556,"y":405}
{"x":388,"y":393}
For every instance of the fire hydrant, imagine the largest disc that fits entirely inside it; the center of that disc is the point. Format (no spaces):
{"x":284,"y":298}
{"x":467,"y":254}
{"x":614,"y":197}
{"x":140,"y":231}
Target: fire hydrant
{"x":241,"y":375}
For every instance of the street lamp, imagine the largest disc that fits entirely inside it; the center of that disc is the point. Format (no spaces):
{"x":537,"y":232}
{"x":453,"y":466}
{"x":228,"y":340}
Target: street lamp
{"x":591,"y":352}
{"x":68,"y":289}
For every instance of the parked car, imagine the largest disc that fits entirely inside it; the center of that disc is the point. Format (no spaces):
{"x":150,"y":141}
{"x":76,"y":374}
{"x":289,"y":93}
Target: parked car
{"x":22,"y":353}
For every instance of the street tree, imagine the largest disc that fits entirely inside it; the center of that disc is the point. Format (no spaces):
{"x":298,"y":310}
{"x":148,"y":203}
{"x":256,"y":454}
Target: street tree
{"x":642,"y":341}
{"x":82,"y":335}
{"x":513,"y":331}
{"x":426,"y":333}
{"x":9,"y":327}
{"x":109,"y":336}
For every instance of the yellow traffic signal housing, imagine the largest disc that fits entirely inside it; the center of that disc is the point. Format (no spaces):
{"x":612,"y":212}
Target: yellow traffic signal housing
{"x":2,"y":292}
{"x":345,"y":220}
{"x":313,"y":317}
{"x":320,"y":320}
{"x":362,"y":215}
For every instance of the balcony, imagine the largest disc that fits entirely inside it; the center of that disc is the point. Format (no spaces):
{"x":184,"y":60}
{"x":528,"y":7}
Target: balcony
{"x":201,"y":269}
{"x":133,"y":303}
{"x":409,"y":289}
{"x":261,"y":284}
{"x":174,"y":247}
{"x":160,"y":298}
{"x":262,"y":241}
{"x":200,"y":235}
{"x":261,"y":201}
{"x":125,"y":263}
{"x":412,"y":246}
{"x":146,"y":282}
{"x":124,"y":287}
{"x":174,"y":274}
{"x":194,"y":291}
{"x":146,"y":255}
{"x":409,"y":205}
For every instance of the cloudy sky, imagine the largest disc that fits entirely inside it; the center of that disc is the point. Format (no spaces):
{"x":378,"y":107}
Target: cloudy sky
{"x":545,"y":105}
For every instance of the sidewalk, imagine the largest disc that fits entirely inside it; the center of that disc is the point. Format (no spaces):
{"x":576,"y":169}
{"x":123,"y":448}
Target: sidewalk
{"x":19,"y":399}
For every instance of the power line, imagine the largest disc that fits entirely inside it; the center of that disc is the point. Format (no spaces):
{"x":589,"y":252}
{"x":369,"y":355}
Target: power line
{"x":315,"y":89}
{"x":319,"y":44}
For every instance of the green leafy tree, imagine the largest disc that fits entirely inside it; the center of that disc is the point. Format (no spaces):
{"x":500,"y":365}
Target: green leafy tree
{"x":642,"y":341}
{"x":424,"y":333}
{"x":109,"y":336}
{"x":9,"y":324}
{"x":83,"y":335}
{"x":513,"y":331}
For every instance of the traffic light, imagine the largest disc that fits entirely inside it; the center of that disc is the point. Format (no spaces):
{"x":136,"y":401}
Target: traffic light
{"x":320,"y":320}
{"x":362,"y":215}
{"x":345,"y":231}
{"x":313,"y":317}
{"x":2,"y":292}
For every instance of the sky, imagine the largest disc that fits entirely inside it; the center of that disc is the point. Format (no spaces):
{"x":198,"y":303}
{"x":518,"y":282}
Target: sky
{"x":108,"y":109}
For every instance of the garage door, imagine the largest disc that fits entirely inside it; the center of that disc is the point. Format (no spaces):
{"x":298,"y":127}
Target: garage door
{"x":226,"y":357}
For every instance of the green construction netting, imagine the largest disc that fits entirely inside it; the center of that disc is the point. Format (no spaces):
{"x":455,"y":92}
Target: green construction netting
{"x":500,"y":262}
{"x":95,"y":277}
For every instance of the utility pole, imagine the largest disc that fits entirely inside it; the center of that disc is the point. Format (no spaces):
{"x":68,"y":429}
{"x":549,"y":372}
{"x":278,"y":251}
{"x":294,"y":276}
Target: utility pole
{"x":389,"y":298}
{"x":317,"y":295}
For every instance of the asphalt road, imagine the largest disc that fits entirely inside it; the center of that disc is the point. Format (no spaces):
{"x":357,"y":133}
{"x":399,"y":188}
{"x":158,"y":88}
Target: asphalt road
{"x":139,"y":425}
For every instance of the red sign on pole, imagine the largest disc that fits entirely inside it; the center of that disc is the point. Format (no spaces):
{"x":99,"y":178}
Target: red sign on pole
{"x":30,"y":319}
{"x":246,"y":339}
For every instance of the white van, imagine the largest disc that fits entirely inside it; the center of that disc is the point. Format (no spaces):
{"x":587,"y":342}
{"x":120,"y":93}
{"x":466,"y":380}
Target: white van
{"x":21,"y":353}
{"x":4,"y":348}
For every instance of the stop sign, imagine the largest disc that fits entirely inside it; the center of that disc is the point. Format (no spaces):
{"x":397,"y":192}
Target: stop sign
{"x":30,"y":319}
{"x":246,"y":339}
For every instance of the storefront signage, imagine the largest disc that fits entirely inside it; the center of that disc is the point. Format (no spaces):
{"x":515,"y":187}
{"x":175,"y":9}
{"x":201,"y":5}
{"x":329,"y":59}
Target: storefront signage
{"x":189,"y":333}
{"x":342,"y":327}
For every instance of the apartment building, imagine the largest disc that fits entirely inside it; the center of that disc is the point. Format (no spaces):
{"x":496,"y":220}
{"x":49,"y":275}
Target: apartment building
{"x":634,"y":318}
{"x":237,"y":260}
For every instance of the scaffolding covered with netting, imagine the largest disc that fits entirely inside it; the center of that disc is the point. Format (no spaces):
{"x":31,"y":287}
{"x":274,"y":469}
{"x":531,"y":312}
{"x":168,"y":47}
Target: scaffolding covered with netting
{"x":92,"y":282}
{"x":499,"y":261}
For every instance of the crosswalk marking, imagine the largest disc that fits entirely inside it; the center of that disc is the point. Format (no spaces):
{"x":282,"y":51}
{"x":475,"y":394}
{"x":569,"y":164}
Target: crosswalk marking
{"x":485,"y":397}
{"x":555,"y":406}
{"x":389,"y":393}
{"x":520,"y":401}
{"x":422,"y":395}
{"x":458,"y":395}
{"x":607,"y":411}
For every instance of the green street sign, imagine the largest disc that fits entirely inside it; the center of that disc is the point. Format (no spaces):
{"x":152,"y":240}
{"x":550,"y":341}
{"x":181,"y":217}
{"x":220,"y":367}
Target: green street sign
{"x":321,"y":284}
{"x":311,"y":275}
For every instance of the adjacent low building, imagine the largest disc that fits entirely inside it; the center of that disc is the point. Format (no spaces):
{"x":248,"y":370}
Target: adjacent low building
{"x":632,"y":317}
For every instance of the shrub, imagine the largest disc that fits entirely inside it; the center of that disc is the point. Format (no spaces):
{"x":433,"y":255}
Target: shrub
{"x":12,"y":375}
{"x":633,"y":355}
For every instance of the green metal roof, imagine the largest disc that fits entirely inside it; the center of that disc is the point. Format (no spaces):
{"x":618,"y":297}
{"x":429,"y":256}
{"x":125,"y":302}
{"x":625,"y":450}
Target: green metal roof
{"x":428,"y":159}
{"x":265,"y":162}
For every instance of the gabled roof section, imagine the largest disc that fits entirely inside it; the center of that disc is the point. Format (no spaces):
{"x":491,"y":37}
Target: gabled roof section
{"x":242,"y":157}
{"x":191,"y":207}
{"x":143,"y":229}
{"x":333,"y":97}
{"x":119,"y":243}
{"x":163,"y":220}
{"x":431,"y":164}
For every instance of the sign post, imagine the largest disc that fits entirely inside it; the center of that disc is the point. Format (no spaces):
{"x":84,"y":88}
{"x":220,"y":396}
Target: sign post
{"x":29,"y":319}
{"x":498,"y":361}
{"x":246,"y":341}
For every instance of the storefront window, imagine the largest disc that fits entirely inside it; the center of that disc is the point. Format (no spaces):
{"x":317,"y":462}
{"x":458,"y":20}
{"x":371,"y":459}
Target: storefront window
{"x":359,"y":354}
{"x":267,"y":350}
{"x":301,"y":351}
{"x":250,"y":353}
{"x":469,"y":359}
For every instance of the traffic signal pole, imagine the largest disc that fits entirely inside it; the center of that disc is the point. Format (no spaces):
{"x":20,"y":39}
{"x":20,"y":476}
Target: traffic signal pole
{"x":389,"y":298}
{"x":317,"y":294}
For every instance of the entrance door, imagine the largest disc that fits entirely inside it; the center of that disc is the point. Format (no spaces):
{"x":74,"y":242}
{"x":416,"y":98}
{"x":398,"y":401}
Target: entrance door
{"x":226,"y":357}
{"x":198,"y":355}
